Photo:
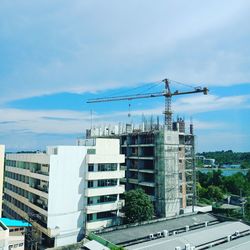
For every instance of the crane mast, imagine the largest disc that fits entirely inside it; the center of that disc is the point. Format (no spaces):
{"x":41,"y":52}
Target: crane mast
{"x":166,"y":93}
{"x":168,"y":112}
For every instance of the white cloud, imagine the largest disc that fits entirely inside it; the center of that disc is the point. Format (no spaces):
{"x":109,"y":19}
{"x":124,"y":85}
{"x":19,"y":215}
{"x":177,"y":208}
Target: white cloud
{"x":67,"y":121}
{"x":201,"y":104}
{"x":49,"y":47}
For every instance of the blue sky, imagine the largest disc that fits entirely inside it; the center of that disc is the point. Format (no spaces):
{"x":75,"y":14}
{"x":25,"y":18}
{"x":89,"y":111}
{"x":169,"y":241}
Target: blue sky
{"x":56,"y":54}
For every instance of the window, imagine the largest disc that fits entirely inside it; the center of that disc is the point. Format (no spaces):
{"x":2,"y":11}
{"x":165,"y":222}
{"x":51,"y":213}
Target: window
{"x":90,"y":184}
{"x":108,"y":214}
{"x":89,"y":217}
{"x":91,"y":167}
{"x":90,"y":200}
{"x":107,"y":198}
{"x":107,"y":167}
{"x":91,"y":151}
{"x":107,"y":183}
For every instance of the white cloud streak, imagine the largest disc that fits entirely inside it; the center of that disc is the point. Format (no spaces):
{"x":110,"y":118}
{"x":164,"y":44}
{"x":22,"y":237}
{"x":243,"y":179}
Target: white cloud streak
{"x":49,"y":47}
{"x":67,"y":121}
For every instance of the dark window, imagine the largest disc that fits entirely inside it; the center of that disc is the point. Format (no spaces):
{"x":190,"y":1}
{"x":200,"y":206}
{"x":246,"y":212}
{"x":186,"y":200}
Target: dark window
{"x":90,"y":200}
{"x":90,"y":184}
{"x":107,"y":167}
{"x":107,"y":198}
{"x":108,"y":214}
{"x":91,"y":151}
{"x":107,"y":183}
{"x":89,"y":217}
{"x":91,"y":167}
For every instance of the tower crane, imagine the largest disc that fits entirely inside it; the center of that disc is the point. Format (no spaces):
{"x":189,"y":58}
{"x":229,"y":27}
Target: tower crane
{"x":167,"y":93}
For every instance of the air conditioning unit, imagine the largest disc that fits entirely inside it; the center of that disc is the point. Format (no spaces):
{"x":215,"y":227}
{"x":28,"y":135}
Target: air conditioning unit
{"x":159,"y":234}
{"x":177,"y":248}
{"x":151,"y":236}
{"x":165,"y":233}
{"x":187,"y":247}
{"x":237,"y":233}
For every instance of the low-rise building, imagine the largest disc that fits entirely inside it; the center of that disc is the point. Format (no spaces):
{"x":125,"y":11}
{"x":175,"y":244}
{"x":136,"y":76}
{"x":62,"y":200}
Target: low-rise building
{"x":12,"y":233}
{"x":193,"y":231}
{"x":65,"y":191}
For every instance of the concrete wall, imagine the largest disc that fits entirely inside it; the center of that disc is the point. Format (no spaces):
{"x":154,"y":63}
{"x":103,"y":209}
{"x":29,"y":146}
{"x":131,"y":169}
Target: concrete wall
{"x":166,"y":165}
{"x":66,"y":193}
{"x":2,"y":151}
{"x":171,"y":140}
{"x":106,"y":146}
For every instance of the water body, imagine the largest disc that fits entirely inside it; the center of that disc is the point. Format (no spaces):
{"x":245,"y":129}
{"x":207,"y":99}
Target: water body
{"x":231,"y":166}
{"x":225,"y":171}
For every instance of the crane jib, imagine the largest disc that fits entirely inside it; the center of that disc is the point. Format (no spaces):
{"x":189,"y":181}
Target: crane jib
{"x":166,"y":93}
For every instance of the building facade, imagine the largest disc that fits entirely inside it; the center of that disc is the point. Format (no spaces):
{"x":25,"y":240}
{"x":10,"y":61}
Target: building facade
{"x":65,"y":191}
{"x":2,"y":152}
{"x":12,"y":234}
{"x":159,"y":161}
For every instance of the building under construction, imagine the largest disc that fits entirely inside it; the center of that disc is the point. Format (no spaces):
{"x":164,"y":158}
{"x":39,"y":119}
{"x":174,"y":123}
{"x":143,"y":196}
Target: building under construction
{"x":158,"y":160}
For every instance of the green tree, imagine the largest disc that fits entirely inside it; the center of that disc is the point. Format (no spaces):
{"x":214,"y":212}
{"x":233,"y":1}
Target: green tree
{"x":138,"y":206}
{"x":214,"y":193}
{"x":202,"y":192}
{"x":235,"y":183}
{"x":245,"y":164}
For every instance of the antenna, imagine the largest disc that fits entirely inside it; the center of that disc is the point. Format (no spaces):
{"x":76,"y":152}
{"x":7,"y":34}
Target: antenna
{"x":129,"y":110}
{"x":91,"y":119}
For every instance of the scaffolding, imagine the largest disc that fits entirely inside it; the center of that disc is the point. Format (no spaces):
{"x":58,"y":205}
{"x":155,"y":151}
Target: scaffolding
{"x":167,"y":173}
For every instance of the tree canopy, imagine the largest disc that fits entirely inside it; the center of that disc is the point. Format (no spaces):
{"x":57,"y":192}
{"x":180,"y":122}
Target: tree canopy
{"x":213,"y":186}
{"x":229,"y":157}
{"x":138,"y":206}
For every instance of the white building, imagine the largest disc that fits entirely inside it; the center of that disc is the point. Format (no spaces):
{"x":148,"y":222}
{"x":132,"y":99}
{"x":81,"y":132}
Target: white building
{"x":12,"y":234}
{"x":2,"y":151}
{"x":66,"y":190}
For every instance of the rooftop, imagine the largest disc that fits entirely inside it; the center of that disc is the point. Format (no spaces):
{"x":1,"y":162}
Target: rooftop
{"x":203,"y":238}
{"x":14,"y":223}
{"x":239,"y":244}
{"x":132,"y":235}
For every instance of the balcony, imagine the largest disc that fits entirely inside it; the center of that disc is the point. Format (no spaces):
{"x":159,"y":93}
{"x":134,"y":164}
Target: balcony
{"x":40,"y":203}
{"x":42,"y":172}
{"x":40,"y":175}
{"x":105,"y":175}
{"x":91,"y":192}
{"x":96,"y":159}
{"x":147,"y":183}
{"x":43,"y":188}
{"x":148,"y":171}
{"x":133,"y":181}
{"x":102,"y":207}
{"x":141,"y":157}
